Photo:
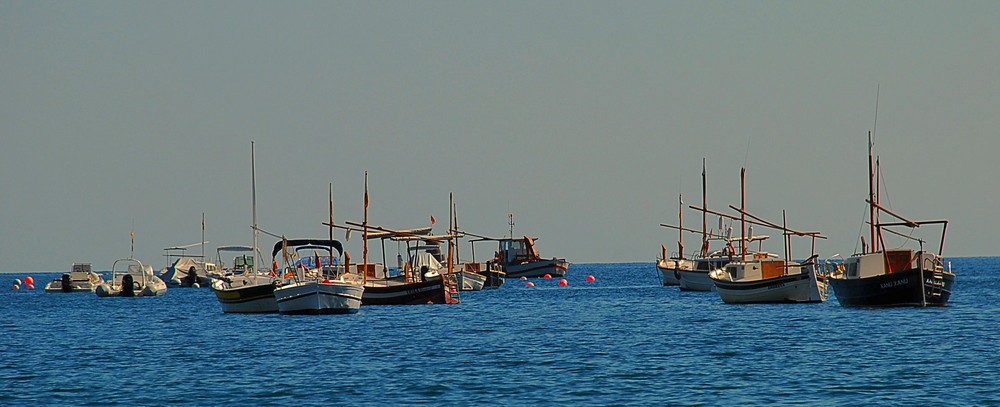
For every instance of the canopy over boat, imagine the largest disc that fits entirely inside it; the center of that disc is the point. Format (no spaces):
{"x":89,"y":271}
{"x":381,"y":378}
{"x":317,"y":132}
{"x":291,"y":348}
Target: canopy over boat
{"x":291,"y":243}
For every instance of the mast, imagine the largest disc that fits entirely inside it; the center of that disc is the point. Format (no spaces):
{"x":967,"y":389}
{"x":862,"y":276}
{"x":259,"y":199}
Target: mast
{"x":680,"y":231}
{"x":704,"y":215}
{"x":331,"y":221}
{"x":253,"y":200}
{"x":451,"y":218}
{"x":743,"y":216}
{"x":364,"y":225}
{"x":203,"y":241}
{"x":453,"y":229}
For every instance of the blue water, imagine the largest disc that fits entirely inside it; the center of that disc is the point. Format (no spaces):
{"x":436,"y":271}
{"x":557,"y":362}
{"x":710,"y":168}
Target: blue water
{"x":622,"y":340}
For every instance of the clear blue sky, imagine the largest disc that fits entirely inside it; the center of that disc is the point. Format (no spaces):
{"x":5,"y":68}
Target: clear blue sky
{"x":584,"y":119}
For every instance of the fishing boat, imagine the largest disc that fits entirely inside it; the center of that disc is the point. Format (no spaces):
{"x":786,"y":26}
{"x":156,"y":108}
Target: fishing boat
{"x":670,"y":267}
{"x":323,"y":289}
{"x":80,"y":279}
{"x":246,"y":290}
{"x":134,"y":280}
{"x":427,"y":257}
{"x":695,"y":276}
{"x":408,"y":287}
{"x":882,"y":277}
{"x":764,"y":278}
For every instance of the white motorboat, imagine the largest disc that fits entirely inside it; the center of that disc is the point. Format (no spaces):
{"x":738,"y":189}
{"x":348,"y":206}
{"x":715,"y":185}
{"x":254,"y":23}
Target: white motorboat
{"x":315,"y":296}
{"x":80,"y":280}
{"x":323,"y":289}
{"x":135,"y":281}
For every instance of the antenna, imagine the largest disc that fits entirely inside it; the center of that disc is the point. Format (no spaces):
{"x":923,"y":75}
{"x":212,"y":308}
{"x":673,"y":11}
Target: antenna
{"x":875,"y":126}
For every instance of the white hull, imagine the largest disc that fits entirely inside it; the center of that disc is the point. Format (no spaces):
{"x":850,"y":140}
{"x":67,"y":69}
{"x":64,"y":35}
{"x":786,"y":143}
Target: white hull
{"x":670,"y":270}
{"x":692,"y":280}
{"x":313,"y":297}
{"x":467,"y":281}
{"x":804,"y":290}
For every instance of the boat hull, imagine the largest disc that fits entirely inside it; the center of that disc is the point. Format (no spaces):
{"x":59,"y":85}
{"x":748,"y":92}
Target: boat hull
{"x":792,"y":288}
{"x":319,"y":298}
{"x":389,"y":292}
{"x":552,"y":267}
{"x":254,"y":298}
{"x":901,"y":288}
{"x":59,"y":286}
{"x":467,"y":281}
{"x":695,"y":280}
{"x":669,"y":275}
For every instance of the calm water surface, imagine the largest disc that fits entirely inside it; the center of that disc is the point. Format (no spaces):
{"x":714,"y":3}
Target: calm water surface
{"x":622,"y":340}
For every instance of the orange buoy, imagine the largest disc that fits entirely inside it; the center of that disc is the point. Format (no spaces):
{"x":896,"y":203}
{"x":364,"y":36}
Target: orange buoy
{"x":528,"y":284}
{"x":563,"y":283}
{"x":15,"y":287}
{"x":30,"y":286}
{"x":591,"y":279}
{"x":29,"y":280}
{"x":547,"y":276}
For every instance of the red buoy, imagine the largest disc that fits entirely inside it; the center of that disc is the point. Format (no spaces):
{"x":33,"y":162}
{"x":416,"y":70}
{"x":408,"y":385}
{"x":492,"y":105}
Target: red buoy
{"x":529,"y":284}
{"x":591,"y":279}
{"x":547,"y":276}
{"x":30,"y":286}
{"x":29,"y":280}
{"x":563,"y":283}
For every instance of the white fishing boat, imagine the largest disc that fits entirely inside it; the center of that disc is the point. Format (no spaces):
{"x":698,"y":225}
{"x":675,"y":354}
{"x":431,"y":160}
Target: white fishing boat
{"x":765,"y":279}
{"x":137,"y":280}
{"x":670,"y":267}
{"x":247,"y":290}
{"x":81,"y":279}
{"x":697,"y":277}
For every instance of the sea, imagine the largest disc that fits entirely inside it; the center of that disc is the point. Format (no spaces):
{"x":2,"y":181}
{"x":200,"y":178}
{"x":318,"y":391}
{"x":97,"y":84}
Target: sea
{"x":620,"y":340}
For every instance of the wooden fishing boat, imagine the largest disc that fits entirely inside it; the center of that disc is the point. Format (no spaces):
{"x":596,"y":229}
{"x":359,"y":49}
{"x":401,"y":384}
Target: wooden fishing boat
{"x":409,"y":287}
{"x":765,"y":278}
{"x":883,"y":277}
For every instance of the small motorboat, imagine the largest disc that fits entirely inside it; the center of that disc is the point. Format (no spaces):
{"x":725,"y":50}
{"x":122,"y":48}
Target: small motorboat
{"x":137,"y":280}
{"x":80,"y":280}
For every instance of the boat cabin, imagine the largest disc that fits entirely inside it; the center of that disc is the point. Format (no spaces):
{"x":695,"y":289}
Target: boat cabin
{"x":879,"y":263}
{"x":517,"y":251}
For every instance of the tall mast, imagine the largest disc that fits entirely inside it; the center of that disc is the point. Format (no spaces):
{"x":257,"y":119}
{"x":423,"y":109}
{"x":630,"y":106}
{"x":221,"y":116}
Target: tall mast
{"x":680,"y":231}
{"x":451,"y":224}
{"x":331,"y":221}
{"x":704,"y":214}
{"x":253,"y":201}
{"x":743,"y":216}
{"x":364,"y":225}
{"x":203,"y":240}
{"x":871,"y":193}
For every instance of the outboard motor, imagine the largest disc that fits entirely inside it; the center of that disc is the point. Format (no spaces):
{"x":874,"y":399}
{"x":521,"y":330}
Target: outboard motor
{"x":128,"y":286}
{"x":190,"y":278}
{"x":65,"y":283}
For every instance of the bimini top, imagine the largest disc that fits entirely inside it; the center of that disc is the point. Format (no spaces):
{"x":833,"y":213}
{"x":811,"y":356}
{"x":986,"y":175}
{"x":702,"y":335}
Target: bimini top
{"x":325,"y":243}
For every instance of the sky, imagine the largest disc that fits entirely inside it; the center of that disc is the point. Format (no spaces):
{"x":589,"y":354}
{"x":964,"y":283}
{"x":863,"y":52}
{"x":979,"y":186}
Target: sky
{"x":585,"y":119}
